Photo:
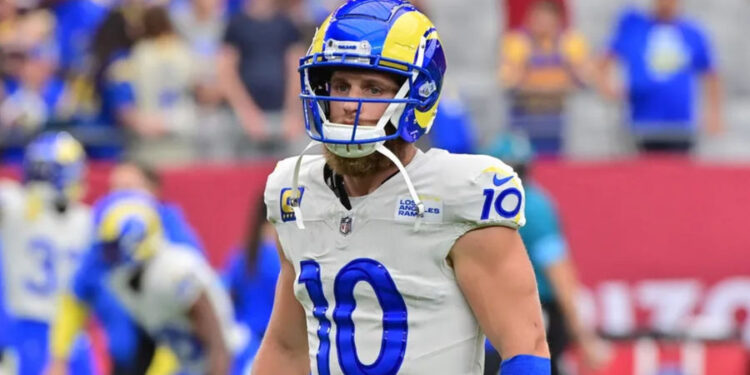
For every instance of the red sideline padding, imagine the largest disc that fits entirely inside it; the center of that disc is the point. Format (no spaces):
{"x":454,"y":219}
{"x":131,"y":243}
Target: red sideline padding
{"x":652,"y":218}
{"x":650,"y":357}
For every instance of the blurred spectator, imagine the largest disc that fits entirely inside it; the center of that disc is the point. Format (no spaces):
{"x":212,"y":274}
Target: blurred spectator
{"x":9,"y":16}
{"x":112,"y":77}
{"x":556,"y":276}
{"x":34,"y":96}
{"x":163,"y":81}
{"x":540,"y":65}
{"x":37,"y":96}
{"x":77,"y":21}
{"x":258,"y":74}
{"x":251,"y":278}
{"x":201,"y":23}
{"x":662,"y":53}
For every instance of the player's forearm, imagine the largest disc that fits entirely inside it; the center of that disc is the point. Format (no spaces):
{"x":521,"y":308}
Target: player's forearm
{"x":206,"y":324}
{"x":274,"y":358}
{"x":496,"y":277}
{"x":218,"y":360}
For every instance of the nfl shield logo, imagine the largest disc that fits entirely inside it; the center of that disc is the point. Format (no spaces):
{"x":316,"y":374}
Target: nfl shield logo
{"x":345,"y":227}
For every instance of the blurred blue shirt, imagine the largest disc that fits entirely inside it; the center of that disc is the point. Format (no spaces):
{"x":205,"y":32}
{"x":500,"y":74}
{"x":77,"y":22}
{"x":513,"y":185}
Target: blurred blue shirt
{"x":76,"y":23}
{"x":662,"y":60}
{"x":453,"y":129}
{"x":252,"y":293}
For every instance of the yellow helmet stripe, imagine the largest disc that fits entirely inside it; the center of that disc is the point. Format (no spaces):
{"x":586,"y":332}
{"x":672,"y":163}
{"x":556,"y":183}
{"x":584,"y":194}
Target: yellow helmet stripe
{"x":318,"y":39}
{"x":113,"y":220}
{"x":68,"y":150}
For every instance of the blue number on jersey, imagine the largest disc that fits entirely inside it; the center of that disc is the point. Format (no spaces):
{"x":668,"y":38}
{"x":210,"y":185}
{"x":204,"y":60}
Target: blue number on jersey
{"x":395,"y":323}
{"x":489,"y":194}
{"x":310,"y":276}
{"x":43,"y":251}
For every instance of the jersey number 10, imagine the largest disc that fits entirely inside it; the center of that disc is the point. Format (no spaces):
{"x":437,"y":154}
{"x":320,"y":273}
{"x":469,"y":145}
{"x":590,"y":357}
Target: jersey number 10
{"x":395,"y":326}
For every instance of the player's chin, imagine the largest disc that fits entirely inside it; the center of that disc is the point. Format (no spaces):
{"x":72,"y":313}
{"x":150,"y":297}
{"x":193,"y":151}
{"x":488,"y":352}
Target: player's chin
{"x":356,"y":167}
{"x":366,"y":165}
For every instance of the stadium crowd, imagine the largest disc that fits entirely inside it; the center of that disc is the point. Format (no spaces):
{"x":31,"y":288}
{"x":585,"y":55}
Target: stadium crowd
{"x":179,"y":81}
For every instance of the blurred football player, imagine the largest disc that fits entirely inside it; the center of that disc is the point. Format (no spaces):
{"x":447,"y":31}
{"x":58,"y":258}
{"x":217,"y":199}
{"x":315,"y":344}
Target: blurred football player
{"x":44,"y":229}
{"x":170,"y":291}
{"x":556,"y":275}
{"x":131,"y":349}
{"x":418,"y":252}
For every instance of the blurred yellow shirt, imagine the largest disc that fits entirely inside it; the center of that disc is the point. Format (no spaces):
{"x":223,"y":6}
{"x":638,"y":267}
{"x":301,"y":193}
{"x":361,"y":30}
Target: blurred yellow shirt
{"x":546,"y":66}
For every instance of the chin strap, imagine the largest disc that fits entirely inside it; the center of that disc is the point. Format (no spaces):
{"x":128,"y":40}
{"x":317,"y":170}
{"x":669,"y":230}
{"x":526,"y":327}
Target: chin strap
{"x":296,"y":193}
{"x":413,"y":192}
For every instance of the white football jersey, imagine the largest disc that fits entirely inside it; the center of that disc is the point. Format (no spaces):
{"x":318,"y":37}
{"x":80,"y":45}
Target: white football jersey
{"x":168,"y":285}
{"x":40,"y":250}
{"x":379,"y":295}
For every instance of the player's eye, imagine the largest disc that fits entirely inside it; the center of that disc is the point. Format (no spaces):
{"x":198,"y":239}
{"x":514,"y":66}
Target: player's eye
{"x":339,"y":88}
{"x":374,"y":90}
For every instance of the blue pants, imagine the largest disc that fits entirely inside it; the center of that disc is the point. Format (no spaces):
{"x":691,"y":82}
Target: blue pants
{"x":29,"y":341}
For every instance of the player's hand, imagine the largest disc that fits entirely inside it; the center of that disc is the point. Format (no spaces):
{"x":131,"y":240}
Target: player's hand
{"x":57,"y":367}
{"x":595,"y":353}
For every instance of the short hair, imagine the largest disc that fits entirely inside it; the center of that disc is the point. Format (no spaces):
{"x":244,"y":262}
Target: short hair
{"x":156,"y":22}
{"x":148,"y":171}
{"x":548,"y":5}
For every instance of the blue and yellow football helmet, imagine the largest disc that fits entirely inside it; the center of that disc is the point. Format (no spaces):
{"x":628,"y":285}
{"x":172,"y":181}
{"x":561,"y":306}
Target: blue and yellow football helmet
{"x":389,"y":36}
{"x":128,"y":227}
{"x":58,"y":160}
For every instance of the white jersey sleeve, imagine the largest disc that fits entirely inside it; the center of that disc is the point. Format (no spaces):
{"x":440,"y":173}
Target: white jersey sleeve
{"x":12,"y":201}
{"x":481,"y":191}
{"x":181,"y":281}
{"x":278,"y":193}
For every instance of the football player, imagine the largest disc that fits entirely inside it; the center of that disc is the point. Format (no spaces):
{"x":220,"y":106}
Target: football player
{"x":404,"y":260}
{"x":44,"y":229}
{"x":132,"y":351}
{"x":170,"y":291}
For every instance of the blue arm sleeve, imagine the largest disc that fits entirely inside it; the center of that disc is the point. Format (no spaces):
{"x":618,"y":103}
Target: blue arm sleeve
{"x":177,"y":228}
{"x":526,"y":365}
{"x":88,"y":278}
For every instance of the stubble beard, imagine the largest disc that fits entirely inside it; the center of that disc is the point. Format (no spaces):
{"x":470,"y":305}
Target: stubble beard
{"x":366,"y":165}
